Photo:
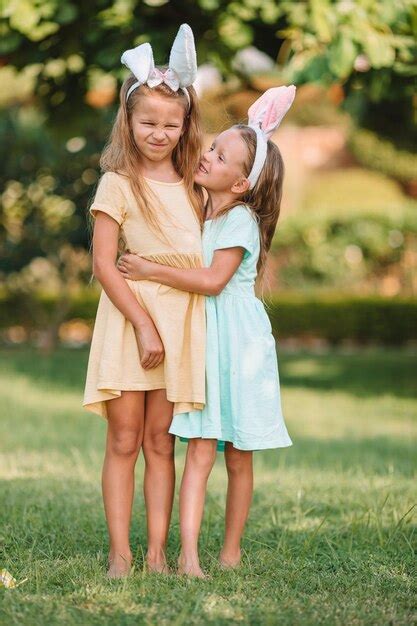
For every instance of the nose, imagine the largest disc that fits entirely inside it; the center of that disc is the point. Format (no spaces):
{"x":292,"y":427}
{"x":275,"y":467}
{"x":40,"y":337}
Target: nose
{"x":158,"y":134}
{"x":206,"y":156}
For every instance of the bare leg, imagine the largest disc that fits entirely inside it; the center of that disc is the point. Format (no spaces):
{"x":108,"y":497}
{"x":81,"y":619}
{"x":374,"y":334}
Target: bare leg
{"x":124,"y":439}
{"x":239,"y":496}
{"x":201,"y":455}
{"x":159,"y":482}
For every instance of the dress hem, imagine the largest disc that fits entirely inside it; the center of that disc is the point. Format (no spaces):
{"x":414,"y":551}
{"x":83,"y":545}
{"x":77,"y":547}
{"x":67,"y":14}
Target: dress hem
{"x":110,"y":387}
{"x":229,"y":439}
{"x":115,"y":390}
{"x":131,"y":386}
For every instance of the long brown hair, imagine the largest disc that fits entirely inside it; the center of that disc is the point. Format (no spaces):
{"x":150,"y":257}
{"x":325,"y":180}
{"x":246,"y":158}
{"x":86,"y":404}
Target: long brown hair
{"x":265,"y":198}
{"x":121,"y":154}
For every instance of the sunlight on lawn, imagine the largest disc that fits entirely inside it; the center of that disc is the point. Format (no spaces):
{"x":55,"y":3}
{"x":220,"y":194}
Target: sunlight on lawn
{"x":331,"y":516}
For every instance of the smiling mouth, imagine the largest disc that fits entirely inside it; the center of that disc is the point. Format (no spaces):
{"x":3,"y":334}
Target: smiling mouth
{"x":202,"y":169}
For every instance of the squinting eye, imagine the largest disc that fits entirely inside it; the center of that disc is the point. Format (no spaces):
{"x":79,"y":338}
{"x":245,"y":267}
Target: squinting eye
{"x":211,"y":148}
{"x":221,"y":157}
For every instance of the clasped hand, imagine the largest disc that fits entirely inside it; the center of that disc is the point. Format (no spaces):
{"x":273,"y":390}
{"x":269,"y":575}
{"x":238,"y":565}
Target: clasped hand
{"x":133,"y":267}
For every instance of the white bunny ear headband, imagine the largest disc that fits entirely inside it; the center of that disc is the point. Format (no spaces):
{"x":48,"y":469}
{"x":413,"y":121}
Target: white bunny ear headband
{"x":264,"y":116}
{"x":182,"y":67}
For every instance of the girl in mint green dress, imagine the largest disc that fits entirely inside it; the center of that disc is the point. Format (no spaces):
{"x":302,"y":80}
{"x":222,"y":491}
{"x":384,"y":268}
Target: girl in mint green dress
{"x":243,"y":174}
{"x":243,"y":404}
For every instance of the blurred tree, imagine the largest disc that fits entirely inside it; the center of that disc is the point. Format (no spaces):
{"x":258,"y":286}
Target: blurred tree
{"x":70,"y":50}
{"x":370,"y":47}
{"x":60,"y":70}
{"x":73,"y":48}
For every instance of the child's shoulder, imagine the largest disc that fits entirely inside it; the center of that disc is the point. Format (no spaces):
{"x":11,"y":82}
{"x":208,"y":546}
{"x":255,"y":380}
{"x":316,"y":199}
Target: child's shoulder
{"x":238,"y":228}
{"x":111,"y":196}
{"x":114,"y":187}
{"x":115,"y":179}
{"x":242,"y":214}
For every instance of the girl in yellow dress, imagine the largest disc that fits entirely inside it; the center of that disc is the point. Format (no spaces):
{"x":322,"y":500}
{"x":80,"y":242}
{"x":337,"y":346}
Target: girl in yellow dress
{"x":148,"y":347}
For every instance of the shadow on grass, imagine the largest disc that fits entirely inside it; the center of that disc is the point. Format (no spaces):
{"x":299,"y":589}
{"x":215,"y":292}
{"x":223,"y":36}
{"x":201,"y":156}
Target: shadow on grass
{"x":64,"y":368}
{"x":362,"y":373}
{"x":374,"y":456}
{"x":371,"y":456}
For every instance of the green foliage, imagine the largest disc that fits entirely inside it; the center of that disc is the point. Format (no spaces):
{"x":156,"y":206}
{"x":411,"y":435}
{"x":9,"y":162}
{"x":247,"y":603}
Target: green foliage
{"x":330,"y":35}
{"x":46,"y":187}
{"x":370,"y":47}
{"x":348,"y":250}
{"x":332,"y":317}
{"x":43,"y":228}
{"x":68,"y":44}
{"x":380,"y":154}
{"x":60,"y":68}
{"x":18,"y":308}
{"x":365,"y":320}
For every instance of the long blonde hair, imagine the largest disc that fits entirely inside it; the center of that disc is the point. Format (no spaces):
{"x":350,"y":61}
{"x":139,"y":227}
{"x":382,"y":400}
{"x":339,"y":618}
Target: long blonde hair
{"x":121,"y":154}
{"x":265,"y":198}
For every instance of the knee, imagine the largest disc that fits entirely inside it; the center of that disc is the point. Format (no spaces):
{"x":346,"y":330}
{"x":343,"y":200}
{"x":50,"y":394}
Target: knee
{"x":202,"y":453}
{"x":125,"y":444}
{"x":238,"y":461}
{"x":159,"y":444}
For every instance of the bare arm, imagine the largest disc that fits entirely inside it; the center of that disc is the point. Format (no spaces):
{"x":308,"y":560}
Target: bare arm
{"x":209,"y":281}
{"x":105,"y":240}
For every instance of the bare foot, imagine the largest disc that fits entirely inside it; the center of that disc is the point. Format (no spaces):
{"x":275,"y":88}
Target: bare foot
{"x":229,"y":560}
{"x":156,"y":561}
{"x":190,"y":568}
{"x":157,"y":566}
{"x":119,"y":566}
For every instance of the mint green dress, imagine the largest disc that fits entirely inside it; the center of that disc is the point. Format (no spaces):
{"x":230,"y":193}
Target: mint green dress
{"x":243,"y":403}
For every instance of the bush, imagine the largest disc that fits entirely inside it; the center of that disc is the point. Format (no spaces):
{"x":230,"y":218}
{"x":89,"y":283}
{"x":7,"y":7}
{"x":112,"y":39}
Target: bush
{"x":379,"y":154}
{"x":17,"y":309}
{"x":334,"y":318}
{"x":366,"y":320}
{"x":365,"y":252}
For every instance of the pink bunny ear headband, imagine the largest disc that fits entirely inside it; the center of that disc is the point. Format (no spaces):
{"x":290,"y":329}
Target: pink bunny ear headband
{"x":182,"y":67}
{"x":264,"y":116}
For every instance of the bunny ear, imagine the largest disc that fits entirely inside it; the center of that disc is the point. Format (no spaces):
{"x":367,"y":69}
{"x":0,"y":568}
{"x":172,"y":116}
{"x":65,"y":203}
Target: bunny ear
{"x":183,"y":58}
{"x":140,"y":61}
{"x":269,"y":110}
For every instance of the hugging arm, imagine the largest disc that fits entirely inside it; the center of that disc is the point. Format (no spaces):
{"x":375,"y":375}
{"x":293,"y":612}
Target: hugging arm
{"x":105,"y":239}
{"x":209,"y":281}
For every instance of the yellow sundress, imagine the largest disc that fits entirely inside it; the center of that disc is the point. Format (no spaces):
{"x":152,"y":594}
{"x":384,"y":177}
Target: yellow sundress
{"x":114,"y":363}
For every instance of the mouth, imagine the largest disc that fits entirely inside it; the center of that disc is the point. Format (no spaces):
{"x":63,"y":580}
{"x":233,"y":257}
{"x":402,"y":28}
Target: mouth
{"x":202,"y":169}
{"x":158,"y":145}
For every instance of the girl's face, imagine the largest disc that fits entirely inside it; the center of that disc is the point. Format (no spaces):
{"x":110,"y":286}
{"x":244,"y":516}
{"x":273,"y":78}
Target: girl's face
{"x":157,"y":123}
{"x":221,"y":167}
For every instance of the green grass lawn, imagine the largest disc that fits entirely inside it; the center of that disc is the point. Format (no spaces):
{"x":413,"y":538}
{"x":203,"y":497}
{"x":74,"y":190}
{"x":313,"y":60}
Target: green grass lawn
{"x":330,"y":538}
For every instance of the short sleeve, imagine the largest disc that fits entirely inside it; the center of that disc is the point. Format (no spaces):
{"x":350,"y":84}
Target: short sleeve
{"x":238,"y":229}
{"x":109,"y":198}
